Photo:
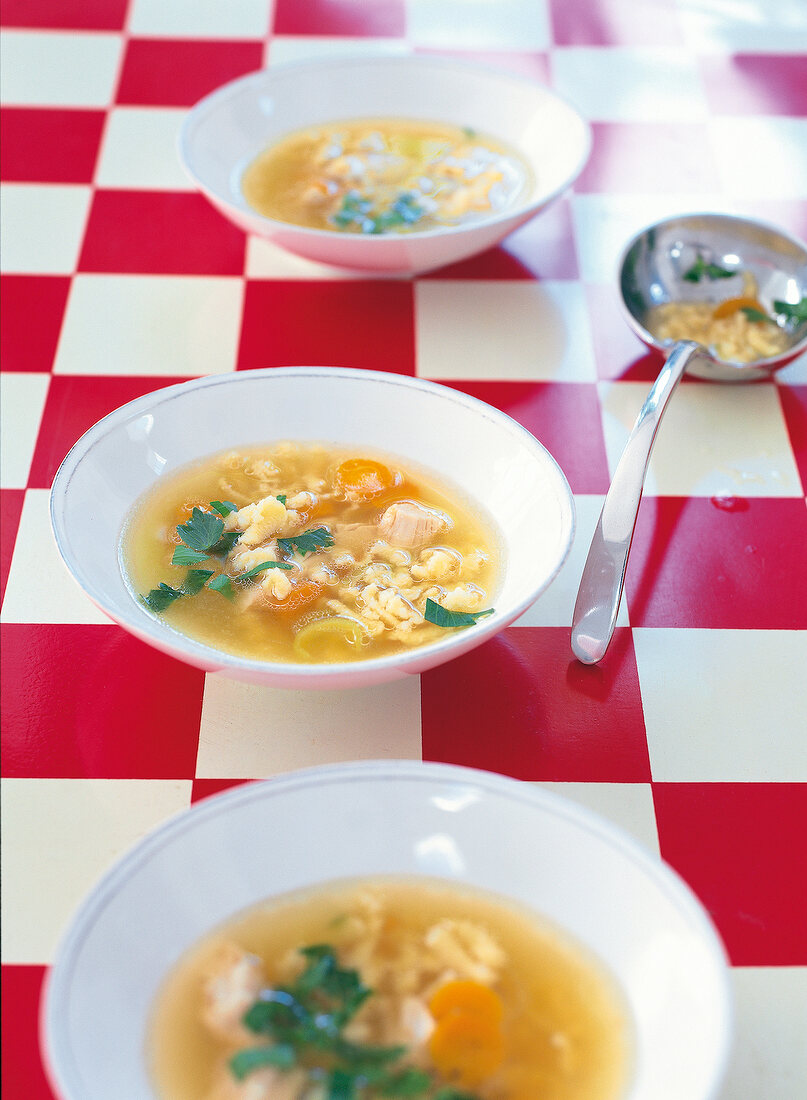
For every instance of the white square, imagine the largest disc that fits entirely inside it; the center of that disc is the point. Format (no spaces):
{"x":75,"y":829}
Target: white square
{"x":288,"y":47}
{"x":58,"y":69}
{"x":479,"y":24}
{"x":713,"y":441}
{"x":27,"y":600}
{"x":604,"y":224}
{"x":754,"y":26}
{"x":628,"y":805}
{"x":769,"y":1055}
{"x":200,"y":18}
{"x":519,"y":330}
{"x":761,"y":158}
{"x":60,"y":836}
{"x":22,"y":399}
{"x":249,"y":731}
{"x":42,"y":227}
{"x":139,"y":150}
{"x":268,"y":261}
{"x":150,"y":325}
{"x":556,"y":605}
{"x":711,"y":717}
{"x":624,"y":84}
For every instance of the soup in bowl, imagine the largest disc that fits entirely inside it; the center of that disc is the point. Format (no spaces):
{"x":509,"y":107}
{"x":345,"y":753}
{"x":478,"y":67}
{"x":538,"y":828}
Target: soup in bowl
{"x":388,"y":929}
{"x":389,"y":164}
{"x":312,"y":527}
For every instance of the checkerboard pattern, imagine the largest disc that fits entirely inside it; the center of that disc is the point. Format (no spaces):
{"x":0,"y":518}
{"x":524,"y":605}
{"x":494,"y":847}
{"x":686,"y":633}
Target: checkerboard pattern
{"x":118,"y":279}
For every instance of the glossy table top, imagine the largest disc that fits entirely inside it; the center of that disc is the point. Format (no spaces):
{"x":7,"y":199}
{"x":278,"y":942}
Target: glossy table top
{"x":117,"y":279}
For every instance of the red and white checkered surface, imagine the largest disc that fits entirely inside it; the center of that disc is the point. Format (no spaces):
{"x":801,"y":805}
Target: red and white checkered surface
{"x":119,"y":279}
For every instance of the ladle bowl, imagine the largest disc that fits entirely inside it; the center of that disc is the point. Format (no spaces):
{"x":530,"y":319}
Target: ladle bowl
{"x":654,"y":266}
{"x":653,"y":271}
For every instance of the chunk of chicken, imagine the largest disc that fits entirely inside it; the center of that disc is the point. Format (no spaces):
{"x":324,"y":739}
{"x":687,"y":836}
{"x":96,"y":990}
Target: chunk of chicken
{"x":232,"y":985}
{"x":409,"y":524}
{"x":263,"y":1084}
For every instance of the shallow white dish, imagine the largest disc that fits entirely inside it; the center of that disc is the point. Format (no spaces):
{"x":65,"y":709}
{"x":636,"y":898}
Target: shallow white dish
{"x":229,"y":127}
{"x":498,"y":834}
{"x":477,"y":449}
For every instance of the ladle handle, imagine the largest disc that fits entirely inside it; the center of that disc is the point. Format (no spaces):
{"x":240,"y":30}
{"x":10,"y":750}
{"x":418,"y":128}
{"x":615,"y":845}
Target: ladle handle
{"x":603,"y":576}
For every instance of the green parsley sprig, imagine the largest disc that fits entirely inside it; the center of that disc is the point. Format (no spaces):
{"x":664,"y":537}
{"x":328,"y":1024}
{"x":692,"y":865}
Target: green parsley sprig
{"x":441,"y":616}
{"x":795,"y":312}
{"x":203,"y":536}
{"x":711,"y":271}
{"x":304,"y":1023}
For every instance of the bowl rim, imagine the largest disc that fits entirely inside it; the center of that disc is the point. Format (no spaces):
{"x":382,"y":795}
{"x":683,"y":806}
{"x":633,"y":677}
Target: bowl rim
{"x":667,"y":880}
{"x":521,"y":210}
{"x":297,"y":673}
{"x":769,"y":364}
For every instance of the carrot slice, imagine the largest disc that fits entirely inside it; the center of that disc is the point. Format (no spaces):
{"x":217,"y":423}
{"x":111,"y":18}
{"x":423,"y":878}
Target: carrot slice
{"x":303,"y":593}
{"x":466,"y":1047}
{"x":466,"y":996}
{"x":732,"y":305}
{"x":365,"y":478}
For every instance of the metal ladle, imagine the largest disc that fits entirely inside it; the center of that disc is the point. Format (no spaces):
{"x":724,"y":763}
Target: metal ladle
{"x":652,"y":271}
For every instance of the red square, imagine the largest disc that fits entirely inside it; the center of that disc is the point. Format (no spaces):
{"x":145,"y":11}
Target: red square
{"x":98,"y":15}
{"x":93,"y":702}
{"x":160,"y":232}
{"x":616,"y":23}
{"x":740,"y":846}
{"x":33,"y":308}
{"x":357,"y":18}
{"x":204,"y":788}
{"x":11,"y":501}
{"x":349,"y":323}
{"x":49,"y":146}
{"x":22,"y":1073}
{"x":794,"y":406}
{"x":172,"y":73}
{"x":542,"y":249}
{"x":73,"y":405}
{"x":525,"y":707}
{"x":726,"y":563}
{"x":622,"y":162}
{"x":564,"y":416}
{"x":755,"y":84}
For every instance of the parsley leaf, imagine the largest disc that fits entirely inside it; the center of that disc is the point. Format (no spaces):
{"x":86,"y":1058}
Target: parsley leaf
{"x":304,"y":1023}
{"x":711,"y":271}
{"x":223,"y":584}
{"x":441,"y":616}
{"x":183,"y":555}
{"x":224,"y":507}
{"x":256,"y":569}
{"x":280,"y":1055}
{"x":226,"y":543}
{"x":306,"y":543}
{"x":793,"y":312}
{"x":281,"y":497}
{"x":756,"y":314}
{"x":202,"y":530}
{"x":195,"y":581}
{"x":160,"y":598}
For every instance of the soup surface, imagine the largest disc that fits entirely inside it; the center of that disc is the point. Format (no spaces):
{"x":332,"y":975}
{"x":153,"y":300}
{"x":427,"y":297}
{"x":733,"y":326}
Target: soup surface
{"x":384,"y":175}
{"x":310,"y":553}
{"x":393,"y":987}
{"x":736,"y":329}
